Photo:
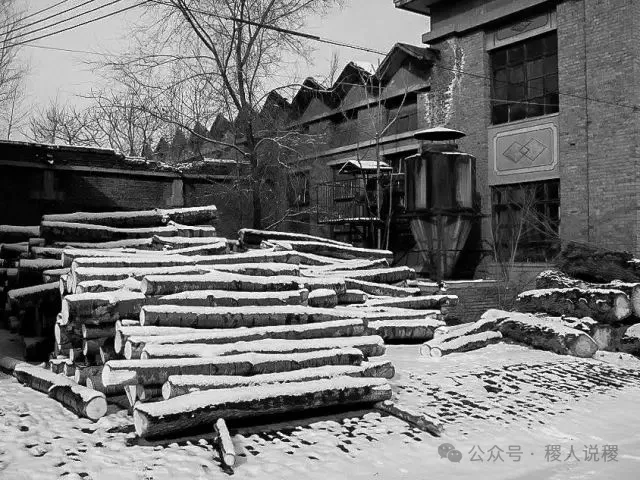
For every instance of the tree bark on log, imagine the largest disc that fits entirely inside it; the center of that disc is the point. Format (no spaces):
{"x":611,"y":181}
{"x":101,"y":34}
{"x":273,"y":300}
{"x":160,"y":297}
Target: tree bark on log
{"x":323,"y":298}
{"x":606,"y":306}
{"x":189,"y":411}
{"x":380,"y":289}
{"x":216,"y":245}
{"x":18,"y":233}
{"x":83,"y":372}
{"x":100,"y":308}
{"x":178,"y":385}
{"x":351,"y":265}
{"x":95,"y":383}
{"x":103,"y":286}
{"x":132,"y":345}
{"x":148,"y":393}
{"x":352,"y":297}
{"x":597,"y":265}
{"x":233,"y":317}
{"x":557,"y":279}
{"x":53,"y":275}
{"x":91,"y":348}
{"x":260,"y":269}
{"x":490,"y":320}
{"x":630,"y":342}
{"x":227,"y":451}
{"x":417,"y":303}
{"x":464,"y":343}
{"x":330,"y":250}
{"x":125,"y":332}
{"x":154,"y":372}
{"x":46,"y":252}
{"x":22,"y":298}
{"x":90,"y":332}
{"x":547,"y":335}
{"x":168,"y":284}
{"x":372,"y":314}
{"x":369,"y":345}
{"x":226,"y":298}
{"x":82,"y":401}
{"x":404,"y":330}
{"x":8,"y":364}
{"x":252,"y":237}
{"x":312,"y":260}
{"x":415,"y":419}
{"x":85,"y":232}
{"x":82,"y":274}
{"x":380,"y":275}
{"x":140,"y":218}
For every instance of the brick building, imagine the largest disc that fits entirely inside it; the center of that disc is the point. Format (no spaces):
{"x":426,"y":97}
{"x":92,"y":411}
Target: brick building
{"x":547,"y":93}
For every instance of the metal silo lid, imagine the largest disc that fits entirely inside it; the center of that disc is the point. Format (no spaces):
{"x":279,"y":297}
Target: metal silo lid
{"x":439,"y":134}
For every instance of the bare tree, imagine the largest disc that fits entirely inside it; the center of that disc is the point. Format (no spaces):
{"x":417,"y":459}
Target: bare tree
{"x":12,"y":70}
{"x":233,"y":47}
{"x":61,"y":124}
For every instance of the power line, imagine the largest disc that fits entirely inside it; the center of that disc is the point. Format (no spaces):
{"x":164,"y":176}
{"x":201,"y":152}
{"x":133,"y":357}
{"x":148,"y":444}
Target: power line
{"x":66,"y":19}
{"x":107,"y":15}
{"x":22,"y":27}
{"x":31,"y":15}
{"x":319,"y":39}
{"x":57,"y":49}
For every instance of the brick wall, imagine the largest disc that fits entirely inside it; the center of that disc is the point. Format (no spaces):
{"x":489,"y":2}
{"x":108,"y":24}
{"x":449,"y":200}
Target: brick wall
{"x":475,"y":298}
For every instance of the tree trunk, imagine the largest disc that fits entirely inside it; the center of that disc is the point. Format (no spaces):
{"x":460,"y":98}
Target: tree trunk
{"x":546,"y":334}
{"x":323,"y":298}
{"x":178,"y":385}
{"x":82,"y":401}
{"x":598,"y":265}
{"x":95,"y":383}
{"x":417,"y":303}
{"x":404,"y":330}
{"x":254,"y":238}
{"x":140,"y":218}
{"x":189,"y":411}
{"x":352,"y":297}
{"x":464,"y":343}
{"x":82,"y":274}
{"x":606,"y":306}
{"x":227,"y":451}
{"x":154,"y":372}
{"x":369,"y":345}
{"x":333,"y":250}
{"x":132,"y":345}
{"x":22,"y":298}
{"x":380,"y":289}
{"x":630,"y":342}
{"x":415,"y":419}
{"x":83,"y":372}
{"x":100,"y":308}
{"x":233,"y":317}
{"x":168,"y":284}
{"x":226,"y":298}
{"x":18,"y":233}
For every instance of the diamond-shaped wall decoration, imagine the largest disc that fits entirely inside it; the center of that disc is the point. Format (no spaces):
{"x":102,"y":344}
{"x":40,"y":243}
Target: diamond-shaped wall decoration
{"x":530,"y":151}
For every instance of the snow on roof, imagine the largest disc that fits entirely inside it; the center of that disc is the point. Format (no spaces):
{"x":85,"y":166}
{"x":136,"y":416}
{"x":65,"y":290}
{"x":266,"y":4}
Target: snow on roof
{"x":358,"y":164}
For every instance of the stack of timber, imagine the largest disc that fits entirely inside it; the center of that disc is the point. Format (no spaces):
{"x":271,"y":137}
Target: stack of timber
{"x":284,"y":322}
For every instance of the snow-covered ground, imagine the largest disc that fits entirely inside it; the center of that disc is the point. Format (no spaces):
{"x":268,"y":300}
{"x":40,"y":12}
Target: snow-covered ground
{"x":506,"y":401}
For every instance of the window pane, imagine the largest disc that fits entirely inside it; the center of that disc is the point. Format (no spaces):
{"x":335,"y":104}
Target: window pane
{"x":516,"y":74}
{"x":535,"y":88}
{"x":535,"y":48}
{"x":515,"y":54}
{"x":550,"y":44}
{"x":551,"y":83}
{"x":535,"y":68}
{"x":517,"y":111}
{"x":500,"y":113}
{"x":516,"y":92}
{"x":551,"y":64}
{"x":499,"y":59}
{"x":551,"y":103}
{"x":535,"y":107}
{"x":500,"y":92}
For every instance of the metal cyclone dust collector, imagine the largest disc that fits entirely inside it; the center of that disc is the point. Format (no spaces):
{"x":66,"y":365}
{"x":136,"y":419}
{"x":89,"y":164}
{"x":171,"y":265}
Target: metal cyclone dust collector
{"x":440,"y":190}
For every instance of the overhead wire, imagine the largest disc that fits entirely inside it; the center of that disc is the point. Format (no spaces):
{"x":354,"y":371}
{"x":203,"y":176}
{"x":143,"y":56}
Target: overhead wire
{"x":20,"y":26}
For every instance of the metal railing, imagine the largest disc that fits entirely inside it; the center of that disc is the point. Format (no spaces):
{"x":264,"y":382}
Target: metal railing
{"x":345,"y":201}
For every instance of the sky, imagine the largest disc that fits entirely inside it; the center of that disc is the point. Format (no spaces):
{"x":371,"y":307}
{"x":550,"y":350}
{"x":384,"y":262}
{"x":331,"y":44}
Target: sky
{"x":375,"y":24}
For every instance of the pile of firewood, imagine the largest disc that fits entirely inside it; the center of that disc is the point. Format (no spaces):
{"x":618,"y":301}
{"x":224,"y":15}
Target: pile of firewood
{"x":190,"y":332}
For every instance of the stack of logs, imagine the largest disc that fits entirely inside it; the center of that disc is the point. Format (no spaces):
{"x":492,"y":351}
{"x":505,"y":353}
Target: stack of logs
{"x":193,"y":333}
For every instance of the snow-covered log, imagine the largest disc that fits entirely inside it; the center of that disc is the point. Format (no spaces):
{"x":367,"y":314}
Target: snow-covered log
{"x":131,"y":341}
{"x":82,"y":274}
{"x":107,"y":351}
{"x":77,"y":398}
{"x":417,"y":303}
{"x":464,"y":343}
{"x":140,"y":218}
{"x":102,"y":286}
{"x":352,"y":297}
{"x":379,"y":289}
{"x":375,"y":313}
{"x":178,"y":385}
{"x":21,"y":298}
{"x":233,"y":317}
{"x":148,"y":393}
{"x":546,"y":334}
{"x":155,"y":372}
{"x":90,"y":332}
{"x":185,"y":240}
{"x":323,"y":298}
{"x":203,"y":408}
{"x":606,"y":306}
{"x":252,"y":237}
{"x":98,"y":308}
{"x":260,"y":269}
{"x":350,"y":265}
{"x":332,"y":250}
{"x":630,"y":341}
{"x":227,"y":451}
{"x":413,"y":418}
{"x":95,"y":383}
{"x":8,"y":364}
{"x":594,"y":264}
{"x":85,"y":232}
{"x":311,"y":259}
{"x":46,"y":252}
{"x":369,"y":345}
{"x":404,"y":330}
{"x":91,"y":348}
{"x":83,"y":372}
{"x":556,"y":279}
{"x":54,"y":274}
{"x":379,"y":275}
{"x":226,"y":298}
{"x":168,"y":284}
{"x":35,"y":266}
{"x":18,"y":233}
